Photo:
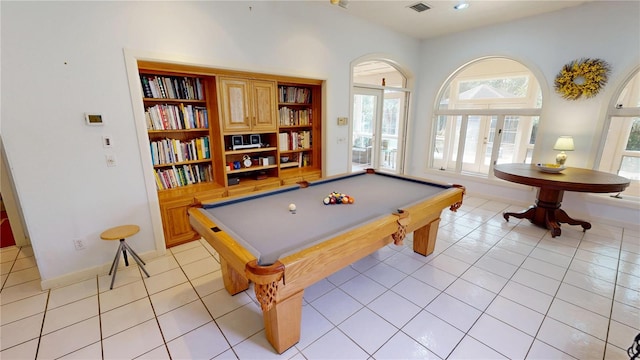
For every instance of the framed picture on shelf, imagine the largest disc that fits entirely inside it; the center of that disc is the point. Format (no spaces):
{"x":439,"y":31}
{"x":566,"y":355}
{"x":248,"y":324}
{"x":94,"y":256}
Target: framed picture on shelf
{"x":236,"y":140}
{"x":254,"y":139}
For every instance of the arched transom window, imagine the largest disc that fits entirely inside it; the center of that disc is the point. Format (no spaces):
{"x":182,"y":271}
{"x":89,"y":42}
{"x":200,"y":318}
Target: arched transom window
{"x":486,"y":114}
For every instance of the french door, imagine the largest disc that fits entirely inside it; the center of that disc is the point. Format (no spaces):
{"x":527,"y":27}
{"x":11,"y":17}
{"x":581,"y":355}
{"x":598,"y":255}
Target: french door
{"x":378,"y":123}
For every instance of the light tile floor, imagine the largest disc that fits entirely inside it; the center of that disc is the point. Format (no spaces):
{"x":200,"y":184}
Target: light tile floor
{"x":491,"y":290}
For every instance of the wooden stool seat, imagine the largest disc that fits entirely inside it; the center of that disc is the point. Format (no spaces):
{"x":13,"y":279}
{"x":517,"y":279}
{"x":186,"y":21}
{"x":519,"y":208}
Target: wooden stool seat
{"x":121,"y":233}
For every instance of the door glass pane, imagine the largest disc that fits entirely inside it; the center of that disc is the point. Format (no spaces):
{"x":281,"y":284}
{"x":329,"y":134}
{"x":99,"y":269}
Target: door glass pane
{"x":472,"y":139}
{"x":509,"y":137}
{"x":512,"y":148}
{"x":364,"y":112}
{"x":630,"y":167}
{"x":392,"y":112}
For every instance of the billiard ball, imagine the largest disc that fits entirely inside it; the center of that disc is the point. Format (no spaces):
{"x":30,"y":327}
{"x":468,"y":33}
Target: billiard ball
{"x":326,"y":201}
{"x":292,"y":207}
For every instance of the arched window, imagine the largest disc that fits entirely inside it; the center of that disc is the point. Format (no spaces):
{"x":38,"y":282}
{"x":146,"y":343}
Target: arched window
{"x":486,"y":114}
{"x":620,"y":152}
{"x":380,"y":103}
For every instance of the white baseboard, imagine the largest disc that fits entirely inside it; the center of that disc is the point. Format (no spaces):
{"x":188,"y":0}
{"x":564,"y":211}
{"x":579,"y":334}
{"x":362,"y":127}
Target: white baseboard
{"x":89,"y":273}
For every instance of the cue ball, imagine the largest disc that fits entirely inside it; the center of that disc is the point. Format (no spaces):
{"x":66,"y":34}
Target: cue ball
{"x":292,"y":207}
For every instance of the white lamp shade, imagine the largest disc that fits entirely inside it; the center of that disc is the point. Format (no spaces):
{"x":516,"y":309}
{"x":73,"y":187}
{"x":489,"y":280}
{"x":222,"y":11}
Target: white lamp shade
{"x":564,"y":143}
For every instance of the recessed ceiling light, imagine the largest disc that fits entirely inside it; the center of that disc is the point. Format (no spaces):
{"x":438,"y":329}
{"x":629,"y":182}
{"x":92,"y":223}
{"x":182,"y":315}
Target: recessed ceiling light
{"x":461,"y":6}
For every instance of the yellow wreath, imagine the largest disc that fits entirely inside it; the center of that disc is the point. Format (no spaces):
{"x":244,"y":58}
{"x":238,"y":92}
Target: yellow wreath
{"x":584,"y":77}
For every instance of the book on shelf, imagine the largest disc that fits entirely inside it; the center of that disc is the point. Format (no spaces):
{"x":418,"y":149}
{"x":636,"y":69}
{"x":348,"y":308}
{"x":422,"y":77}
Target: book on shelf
{"x":182,"y":175}
{"x":168,"y":151}
{"x":171,"y":87}
{"x":294,"y":117}
{"x":294,"y":94}
{"x":294,"y":140}
{"x":176,"y":117}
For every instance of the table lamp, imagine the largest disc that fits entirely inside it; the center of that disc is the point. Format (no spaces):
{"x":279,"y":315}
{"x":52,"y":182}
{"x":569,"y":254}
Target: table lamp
{"x":564,"y":143}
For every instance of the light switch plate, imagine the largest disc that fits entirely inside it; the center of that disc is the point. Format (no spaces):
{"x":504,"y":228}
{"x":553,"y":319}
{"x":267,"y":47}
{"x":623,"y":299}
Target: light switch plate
{"x":106,"y":141}
{"x":343,"y":121}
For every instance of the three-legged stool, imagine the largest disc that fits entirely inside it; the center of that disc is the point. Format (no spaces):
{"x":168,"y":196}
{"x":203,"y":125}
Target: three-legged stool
{"x":121,"y":233}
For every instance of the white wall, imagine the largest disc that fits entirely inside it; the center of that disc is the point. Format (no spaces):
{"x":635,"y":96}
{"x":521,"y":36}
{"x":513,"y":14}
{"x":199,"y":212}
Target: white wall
{"x":62,"y":59}
{"x":607,"y":30}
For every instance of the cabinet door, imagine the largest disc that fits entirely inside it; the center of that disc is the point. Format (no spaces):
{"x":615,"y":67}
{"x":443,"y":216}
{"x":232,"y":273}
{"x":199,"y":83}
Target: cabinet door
{"x":235,"y":104}
{"x":265,"y":110}
{"x":175,"y":221}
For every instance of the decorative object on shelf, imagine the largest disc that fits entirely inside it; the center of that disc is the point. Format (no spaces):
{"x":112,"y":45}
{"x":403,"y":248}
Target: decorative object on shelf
{"x":584,"y":77}
{"x":550,"y":168}
{"x":246,"y":160}
{"x":284,"y":159}
{"x":254,"y":139}
{"x":564,"y":143}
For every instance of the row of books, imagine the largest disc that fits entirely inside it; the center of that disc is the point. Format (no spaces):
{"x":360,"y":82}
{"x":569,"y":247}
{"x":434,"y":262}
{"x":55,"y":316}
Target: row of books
{"x":294,"y":117}
{"x":294,"y":94}
{"x":301,"y":160}
{"x":172,"y":87}
{"x":294,"y":140}
{"x":176,"y":117}
{"x":183,"y":175}
{"x":169,"y":151}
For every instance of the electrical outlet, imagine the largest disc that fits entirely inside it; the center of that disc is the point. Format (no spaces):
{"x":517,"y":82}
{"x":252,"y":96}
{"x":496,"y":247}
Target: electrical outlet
{"x":111,"y":160}
{"x":79,"y":244}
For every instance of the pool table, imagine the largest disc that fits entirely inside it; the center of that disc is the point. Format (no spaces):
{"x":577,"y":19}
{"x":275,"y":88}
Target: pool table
{"x":282,"y":252}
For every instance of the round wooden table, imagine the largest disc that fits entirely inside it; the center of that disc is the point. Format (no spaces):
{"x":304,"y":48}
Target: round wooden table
{"x":546,"y":212}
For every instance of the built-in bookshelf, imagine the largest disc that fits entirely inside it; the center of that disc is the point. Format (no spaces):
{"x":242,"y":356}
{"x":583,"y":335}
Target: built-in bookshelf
{"x":177,"y":122}
{"x":182,"y":142}
{"x":296,"y":128}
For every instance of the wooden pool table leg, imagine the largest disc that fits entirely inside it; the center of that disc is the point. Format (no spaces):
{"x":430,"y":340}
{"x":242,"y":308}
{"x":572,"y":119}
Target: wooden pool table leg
{"x":282,"y":322}
{"x":424,"y":238}
{"x":234,"y":282}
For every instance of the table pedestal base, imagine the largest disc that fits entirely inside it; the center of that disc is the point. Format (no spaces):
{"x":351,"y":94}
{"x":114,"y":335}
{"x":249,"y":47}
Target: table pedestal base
{"x":547,"y":213}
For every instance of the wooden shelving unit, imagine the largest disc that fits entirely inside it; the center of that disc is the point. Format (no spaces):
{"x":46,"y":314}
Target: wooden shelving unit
{"x":299,"y":124}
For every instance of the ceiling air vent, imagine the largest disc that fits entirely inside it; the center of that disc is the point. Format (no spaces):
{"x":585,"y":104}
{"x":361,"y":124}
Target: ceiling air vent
{"x":420,"y":7}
